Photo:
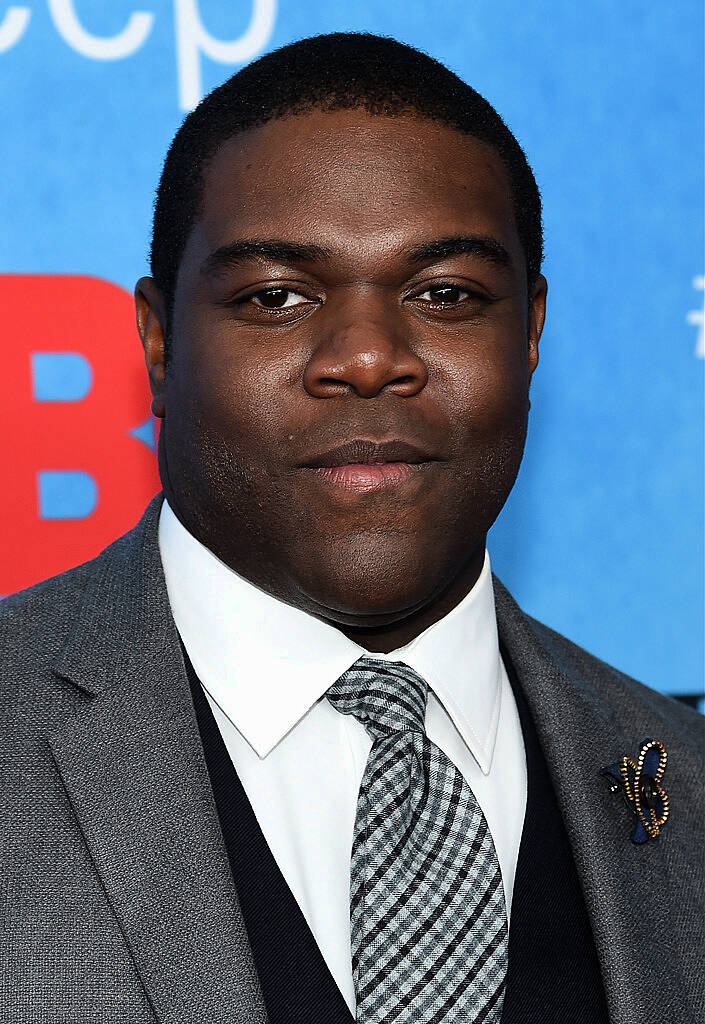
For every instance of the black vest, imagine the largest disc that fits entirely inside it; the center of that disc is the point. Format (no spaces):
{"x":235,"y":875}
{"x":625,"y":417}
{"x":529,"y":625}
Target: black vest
{"x":553,"y":977}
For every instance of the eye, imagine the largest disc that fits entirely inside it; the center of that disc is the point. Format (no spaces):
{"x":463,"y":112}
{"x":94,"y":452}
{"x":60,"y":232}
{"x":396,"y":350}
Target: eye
{"x":444,"y":295}
{"x":277,"y":298}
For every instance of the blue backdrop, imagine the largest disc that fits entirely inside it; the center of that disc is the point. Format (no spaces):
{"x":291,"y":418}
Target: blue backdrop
{"x":602,"y":537}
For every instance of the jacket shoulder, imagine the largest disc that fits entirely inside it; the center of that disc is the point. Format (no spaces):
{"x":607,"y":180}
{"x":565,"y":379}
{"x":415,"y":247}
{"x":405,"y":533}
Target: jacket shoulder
{"x":638,"y":710}
{"x":35,"y":623}
{"x":616,"y":688}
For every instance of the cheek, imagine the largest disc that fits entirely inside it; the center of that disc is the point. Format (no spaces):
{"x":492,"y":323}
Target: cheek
{"x":490,"y":393}
{"x":221,"y":395}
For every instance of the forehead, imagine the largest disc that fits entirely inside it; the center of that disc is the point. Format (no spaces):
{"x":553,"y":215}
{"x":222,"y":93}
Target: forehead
{"x":348,"y":178}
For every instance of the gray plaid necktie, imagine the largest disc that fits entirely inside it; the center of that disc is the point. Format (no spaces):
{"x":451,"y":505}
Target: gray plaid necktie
{"x":427,"y":915}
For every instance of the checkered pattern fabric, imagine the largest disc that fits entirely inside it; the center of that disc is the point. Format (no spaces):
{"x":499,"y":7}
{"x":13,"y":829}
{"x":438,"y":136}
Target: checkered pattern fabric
{"x":427,"y":914}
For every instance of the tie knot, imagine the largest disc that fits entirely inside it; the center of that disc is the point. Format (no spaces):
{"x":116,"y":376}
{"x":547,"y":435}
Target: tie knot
{"x":386,"y":696}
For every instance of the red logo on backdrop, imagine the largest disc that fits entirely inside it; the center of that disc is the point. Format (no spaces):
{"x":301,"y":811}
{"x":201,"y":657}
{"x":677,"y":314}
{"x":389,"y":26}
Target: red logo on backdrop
{"x":77,"y":450}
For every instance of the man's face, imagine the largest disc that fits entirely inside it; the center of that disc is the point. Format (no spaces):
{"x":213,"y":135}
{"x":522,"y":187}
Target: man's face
{"x":346,"y":398}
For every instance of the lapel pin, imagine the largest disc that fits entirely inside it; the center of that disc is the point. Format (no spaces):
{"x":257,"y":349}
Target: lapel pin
{"x":640,"y":785}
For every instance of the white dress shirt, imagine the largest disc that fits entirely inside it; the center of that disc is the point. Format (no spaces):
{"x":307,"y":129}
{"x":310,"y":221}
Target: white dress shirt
{"x":265,"y":667}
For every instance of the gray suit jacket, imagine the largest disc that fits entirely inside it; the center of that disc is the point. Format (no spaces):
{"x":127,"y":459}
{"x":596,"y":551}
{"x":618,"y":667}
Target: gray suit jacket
{"x":116,"y":900}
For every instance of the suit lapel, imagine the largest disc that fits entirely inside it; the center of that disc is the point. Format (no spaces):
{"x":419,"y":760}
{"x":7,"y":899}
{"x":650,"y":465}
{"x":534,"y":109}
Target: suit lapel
{"x":625,"y":886}
{"x":133,"y":768}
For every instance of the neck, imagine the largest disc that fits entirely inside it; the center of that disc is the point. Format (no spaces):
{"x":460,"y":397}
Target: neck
{"x":393,"y":635}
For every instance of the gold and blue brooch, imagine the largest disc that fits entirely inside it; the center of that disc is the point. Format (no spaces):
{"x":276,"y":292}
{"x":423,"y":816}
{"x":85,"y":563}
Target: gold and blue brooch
{"x":640,"y":784}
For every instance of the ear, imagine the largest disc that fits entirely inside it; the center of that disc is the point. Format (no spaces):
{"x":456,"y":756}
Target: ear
{"x":151,"y":324}
{"x":537,"y":315}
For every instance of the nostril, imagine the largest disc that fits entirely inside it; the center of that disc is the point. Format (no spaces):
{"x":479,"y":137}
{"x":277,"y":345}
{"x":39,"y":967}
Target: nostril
{"x":407,"y":384}
{"x":334,"y":384}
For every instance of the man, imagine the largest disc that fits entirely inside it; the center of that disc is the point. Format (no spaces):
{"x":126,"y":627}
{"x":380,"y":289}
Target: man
{"x":274,"y":755}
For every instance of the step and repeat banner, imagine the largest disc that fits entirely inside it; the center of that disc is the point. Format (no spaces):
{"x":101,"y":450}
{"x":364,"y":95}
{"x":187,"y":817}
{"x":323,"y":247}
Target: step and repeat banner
{"x":602,"y":537}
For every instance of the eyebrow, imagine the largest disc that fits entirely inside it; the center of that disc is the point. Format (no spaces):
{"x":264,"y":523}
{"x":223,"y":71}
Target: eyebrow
{"x":277,"y":249}
{"x":266,"y":249}
{"x":482,"y":246}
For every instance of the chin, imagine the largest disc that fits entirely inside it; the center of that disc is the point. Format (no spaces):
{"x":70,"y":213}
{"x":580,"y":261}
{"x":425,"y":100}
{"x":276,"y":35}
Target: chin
{"x":372,"y":590}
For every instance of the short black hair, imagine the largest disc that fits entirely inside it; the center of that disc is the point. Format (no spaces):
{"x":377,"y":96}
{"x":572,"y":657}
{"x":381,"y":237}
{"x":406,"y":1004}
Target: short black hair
{"x":341,"y":70}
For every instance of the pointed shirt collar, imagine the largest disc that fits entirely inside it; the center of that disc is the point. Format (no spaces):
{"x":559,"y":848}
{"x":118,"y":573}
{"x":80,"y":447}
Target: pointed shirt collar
{"x":266,"y":663}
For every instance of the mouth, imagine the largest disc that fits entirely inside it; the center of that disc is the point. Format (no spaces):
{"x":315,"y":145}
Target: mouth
{"x":362,"y":466}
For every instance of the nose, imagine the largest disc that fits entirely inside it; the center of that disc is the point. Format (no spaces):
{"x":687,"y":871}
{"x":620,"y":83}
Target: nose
{"x":364,"y":354}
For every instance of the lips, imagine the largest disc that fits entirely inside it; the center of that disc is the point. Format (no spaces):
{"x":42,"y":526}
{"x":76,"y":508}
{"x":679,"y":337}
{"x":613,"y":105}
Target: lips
{"x":362,"y":466}
{"x":369,"y":453}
